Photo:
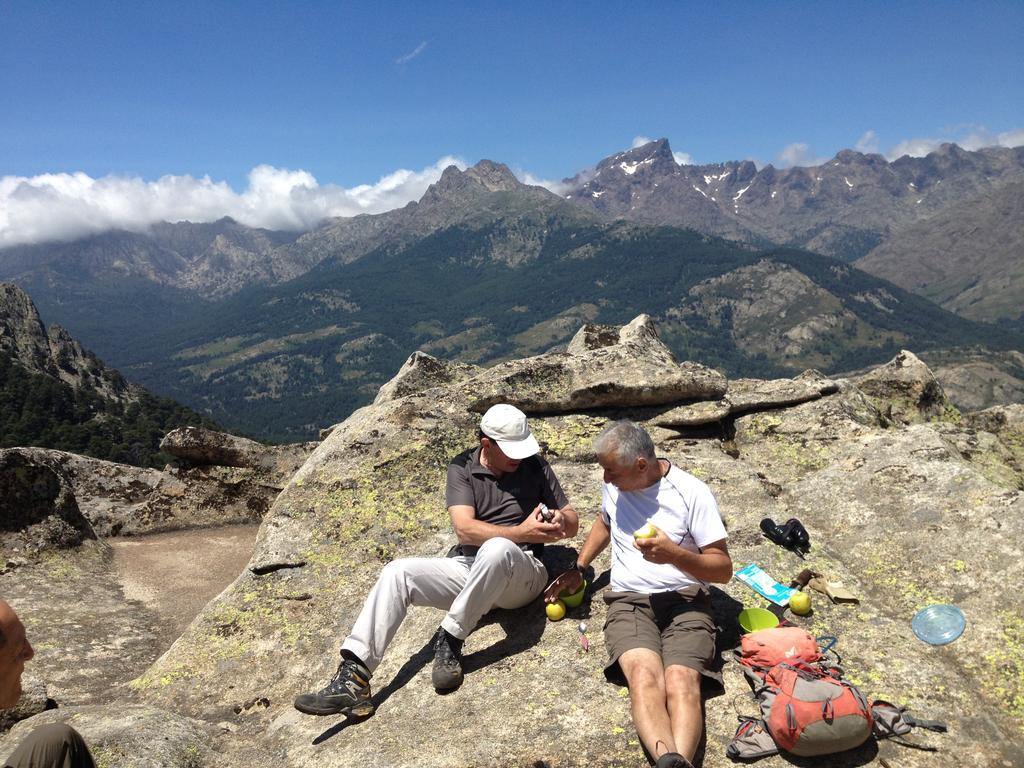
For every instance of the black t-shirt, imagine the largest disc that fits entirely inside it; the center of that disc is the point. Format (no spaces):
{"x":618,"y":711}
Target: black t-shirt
{"x":506,"y":500}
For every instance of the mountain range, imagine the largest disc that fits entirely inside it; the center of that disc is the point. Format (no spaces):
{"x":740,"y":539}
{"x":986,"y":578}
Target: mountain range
{"x":908,"y":221}
{"x":277,"y":334}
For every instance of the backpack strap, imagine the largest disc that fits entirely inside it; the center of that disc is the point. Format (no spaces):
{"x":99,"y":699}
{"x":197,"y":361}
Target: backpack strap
{"x":751,"y":741}
{"x":928,"y":725}
{"x":891,"y":720}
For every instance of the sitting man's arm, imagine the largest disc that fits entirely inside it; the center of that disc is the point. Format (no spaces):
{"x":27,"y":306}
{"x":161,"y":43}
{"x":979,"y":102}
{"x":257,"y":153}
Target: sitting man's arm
{"x":568,"y":519}
{"x":570,"y":581}
{"x":532,"y":530}
{"x":712,"y":563}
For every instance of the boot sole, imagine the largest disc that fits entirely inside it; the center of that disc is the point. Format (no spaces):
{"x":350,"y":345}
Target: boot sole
{"x":358,"y":710}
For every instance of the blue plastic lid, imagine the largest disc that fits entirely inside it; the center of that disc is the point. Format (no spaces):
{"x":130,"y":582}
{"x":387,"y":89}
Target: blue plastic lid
{"x":939,"y":624}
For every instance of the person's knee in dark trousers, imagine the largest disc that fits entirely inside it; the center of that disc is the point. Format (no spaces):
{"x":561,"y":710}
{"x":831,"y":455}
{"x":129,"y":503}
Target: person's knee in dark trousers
{"x":54,"y":745}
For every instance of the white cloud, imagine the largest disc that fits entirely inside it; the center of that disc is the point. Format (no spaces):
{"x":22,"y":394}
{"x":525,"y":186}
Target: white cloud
{"x":63,"y":206}
{"x":972,"y":138}
{"x":558,"y":187}
{"x":798,"y":154}
{"x":639,"y":141}
{"x":868,"y":143}
{"x":407,"y":57}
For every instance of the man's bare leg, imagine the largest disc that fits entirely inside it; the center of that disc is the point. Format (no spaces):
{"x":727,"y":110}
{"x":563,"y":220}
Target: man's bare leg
{"x":646,"y":677}
{"x":682,"y":691}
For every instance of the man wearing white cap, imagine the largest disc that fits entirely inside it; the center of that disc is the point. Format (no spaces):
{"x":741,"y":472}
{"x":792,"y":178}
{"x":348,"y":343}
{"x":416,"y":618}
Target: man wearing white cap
{"x":497,"y":495}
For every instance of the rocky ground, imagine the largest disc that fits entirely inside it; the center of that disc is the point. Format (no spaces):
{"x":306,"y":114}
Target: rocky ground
{"x":907,"y":502}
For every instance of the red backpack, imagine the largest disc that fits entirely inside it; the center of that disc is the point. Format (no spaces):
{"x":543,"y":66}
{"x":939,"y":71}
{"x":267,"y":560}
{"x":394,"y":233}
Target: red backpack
{"x":767,"y":647}
{"x":806,"y":707}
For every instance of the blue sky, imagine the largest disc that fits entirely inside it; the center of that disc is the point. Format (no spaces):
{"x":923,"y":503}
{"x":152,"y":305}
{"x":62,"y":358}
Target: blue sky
{"x":351,"y":92}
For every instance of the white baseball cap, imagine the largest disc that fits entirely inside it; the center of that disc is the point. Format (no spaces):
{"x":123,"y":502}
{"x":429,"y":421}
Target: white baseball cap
{"x":506,"y":425}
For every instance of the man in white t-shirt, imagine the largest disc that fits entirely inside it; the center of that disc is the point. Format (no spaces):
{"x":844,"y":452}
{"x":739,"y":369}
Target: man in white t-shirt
{"x":659,"y":632}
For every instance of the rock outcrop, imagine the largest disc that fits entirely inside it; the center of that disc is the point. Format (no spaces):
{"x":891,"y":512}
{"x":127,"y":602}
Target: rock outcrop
{"x":123,"y":500}
{"x":746,"y":395}
{"x":195,"y":446}
{"x":127,"y":737}
{"x":877,"y":473}
{"x":52,"y":351}
{"x":886,"y":494}
{"x":906,"y":388}
{"x":38,"y":510}
{"x":600,"y":369}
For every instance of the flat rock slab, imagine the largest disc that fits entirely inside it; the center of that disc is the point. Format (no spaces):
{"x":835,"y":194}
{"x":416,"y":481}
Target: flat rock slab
{"x":746,"y":395}
{"x":89,"y":640}
{"x":175,"y":574}
{"x":127,"y":736}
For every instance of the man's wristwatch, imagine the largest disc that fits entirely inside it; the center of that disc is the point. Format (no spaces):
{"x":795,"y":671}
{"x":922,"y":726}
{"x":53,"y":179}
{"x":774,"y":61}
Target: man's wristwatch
{"x":577,"y":567}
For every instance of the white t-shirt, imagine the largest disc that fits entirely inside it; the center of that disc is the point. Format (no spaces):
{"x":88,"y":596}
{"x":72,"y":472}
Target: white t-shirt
{"x":681,"y":506}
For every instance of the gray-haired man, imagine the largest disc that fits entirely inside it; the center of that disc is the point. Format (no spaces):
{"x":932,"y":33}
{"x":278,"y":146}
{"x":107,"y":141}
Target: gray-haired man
{"x":495,"y":495}
{"x":659,"y":630}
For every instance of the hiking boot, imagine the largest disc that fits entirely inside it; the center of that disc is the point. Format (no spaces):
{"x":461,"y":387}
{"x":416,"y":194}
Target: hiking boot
{"x":447,"y":674}
{"x":673,"y":760}
{"x":348,"y":693}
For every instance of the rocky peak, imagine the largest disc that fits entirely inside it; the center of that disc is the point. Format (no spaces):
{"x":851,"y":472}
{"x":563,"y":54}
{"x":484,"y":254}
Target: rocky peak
{"x":21,"y":331}
{"x":51,"y":352}
{"x":494,"y":177}
{"x":459,"y":188}
{"x":652,"y":159}
{"x":854,"y":158}
{"x":745,"y":171}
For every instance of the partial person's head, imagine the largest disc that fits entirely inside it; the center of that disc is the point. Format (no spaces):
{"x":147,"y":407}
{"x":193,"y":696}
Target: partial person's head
{"x":505,"y":438}
{"x":626,"y":454}
{"x":15,"y":650}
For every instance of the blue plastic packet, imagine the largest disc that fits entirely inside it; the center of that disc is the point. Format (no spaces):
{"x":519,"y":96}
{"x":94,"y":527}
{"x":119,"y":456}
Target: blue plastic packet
{"x":755,"y":577}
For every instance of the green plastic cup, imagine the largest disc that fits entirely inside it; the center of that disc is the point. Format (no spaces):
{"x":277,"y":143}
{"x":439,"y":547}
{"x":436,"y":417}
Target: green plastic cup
{"x":754,"y":619}
{"x":574,"y":600}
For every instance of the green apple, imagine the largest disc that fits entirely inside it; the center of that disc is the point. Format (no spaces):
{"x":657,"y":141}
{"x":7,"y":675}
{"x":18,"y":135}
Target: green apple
{"x":800,"y":603}
{"x":647,"y":532}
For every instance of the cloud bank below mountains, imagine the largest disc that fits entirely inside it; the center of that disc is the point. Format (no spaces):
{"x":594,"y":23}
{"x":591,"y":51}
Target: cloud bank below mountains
{"x":65,"y":206}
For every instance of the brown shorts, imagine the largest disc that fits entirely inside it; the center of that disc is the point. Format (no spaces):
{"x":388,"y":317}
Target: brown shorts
{"x":678,"y":628}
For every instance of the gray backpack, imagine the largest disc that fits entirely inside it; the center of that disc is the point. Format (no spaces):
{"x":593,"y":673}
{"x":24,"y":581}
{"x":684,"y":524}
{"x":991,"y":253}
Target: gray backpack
{"x":808,"y":709}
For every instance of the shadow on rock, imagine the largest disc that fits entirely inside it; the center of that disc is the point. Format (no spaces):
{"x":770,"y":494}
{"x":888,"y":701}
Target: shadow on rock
{"x":863,"y":755}
{"x":726,"y":611}
{"x":408,"y":671}
{"x":523,"y":628}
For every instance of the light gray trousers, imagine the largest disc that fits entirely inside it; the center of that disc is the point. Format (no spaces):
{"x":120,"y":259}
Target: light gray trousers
{"x":500,"y":576}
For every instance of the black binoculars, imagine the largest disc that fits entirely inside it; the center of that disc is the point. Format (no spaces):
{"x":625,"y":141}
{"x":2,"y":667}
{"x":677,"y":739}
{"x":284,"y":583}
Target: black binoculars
{"x":791,"y":534}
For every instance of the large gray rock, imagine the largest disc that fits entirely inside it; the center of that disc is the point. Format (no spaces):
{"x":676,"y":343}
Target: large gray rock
{"x":894,"y":511}
{"x":637,"y":369}
{"x":903,"y":514}
{"x":38,"y":511}
{"x":205,"y":447}
{"x":123,"y":500}
{"x":1001,"y":420}
{"x":908,"y":388}
{"x":127,"y":736}
{"x":422,"y":371}
{"x":746,"y":395}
